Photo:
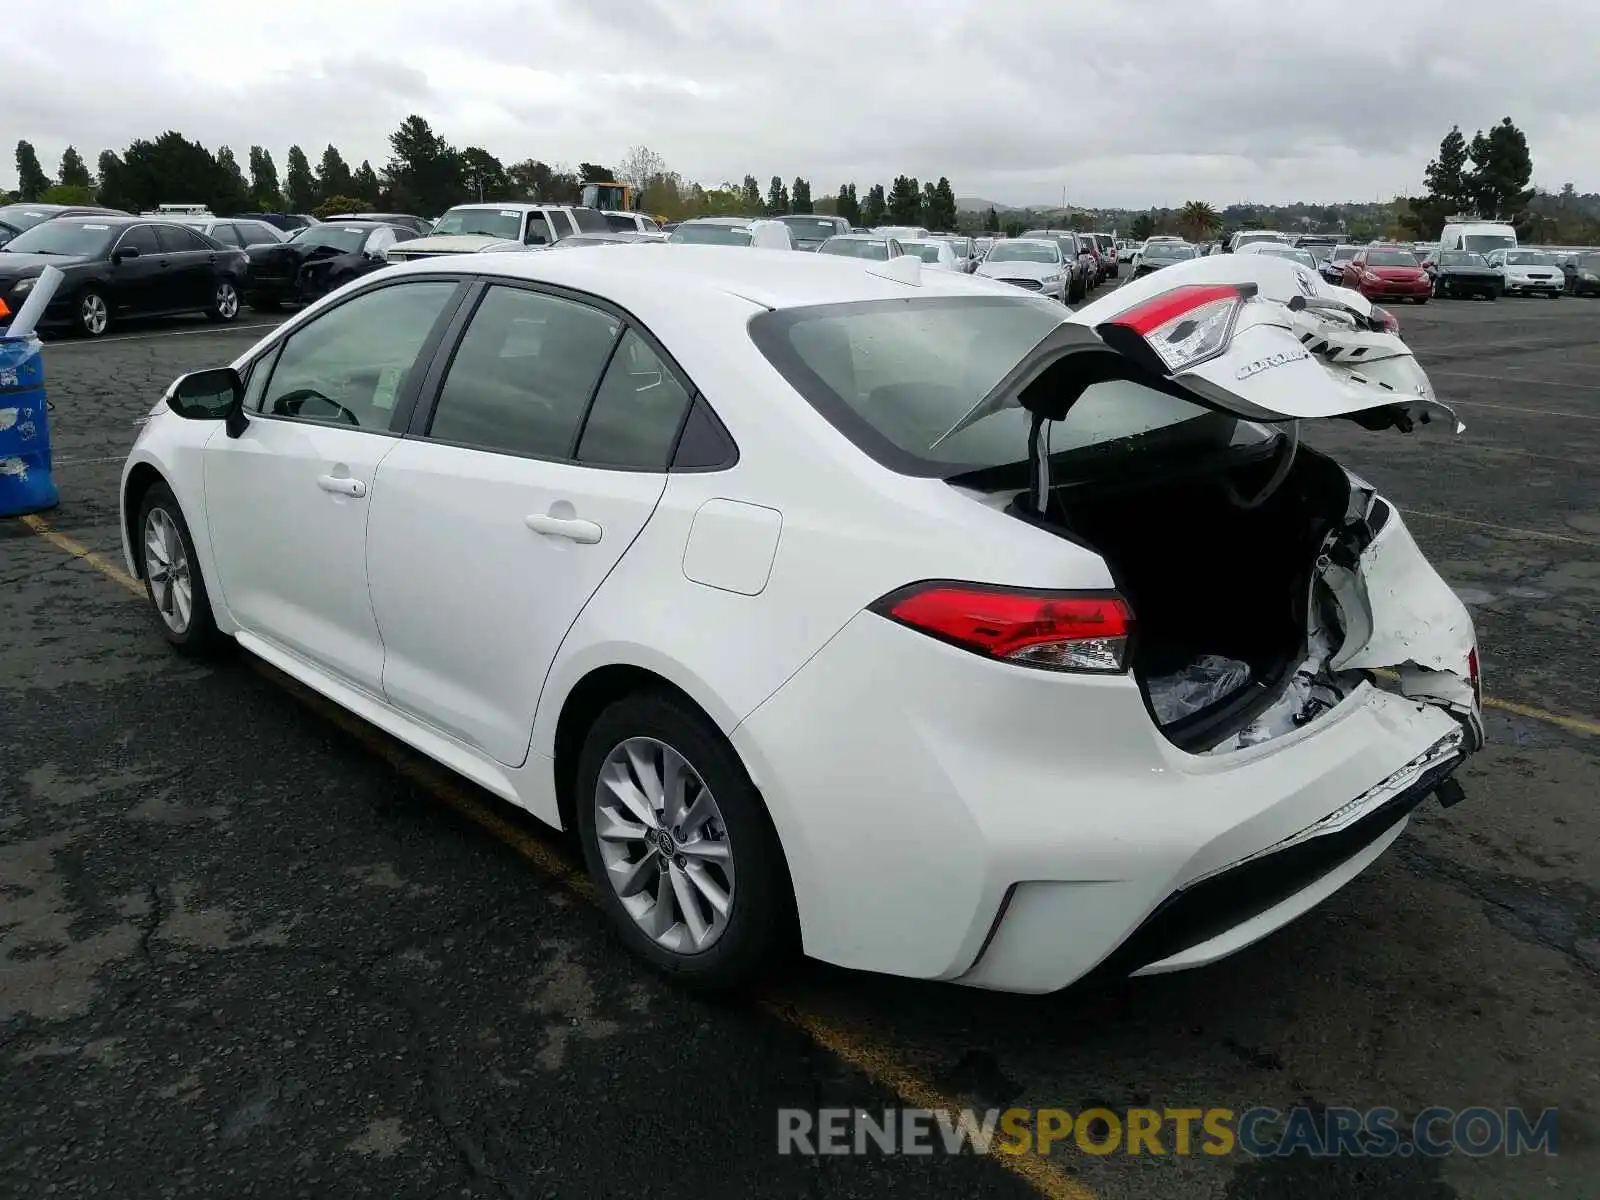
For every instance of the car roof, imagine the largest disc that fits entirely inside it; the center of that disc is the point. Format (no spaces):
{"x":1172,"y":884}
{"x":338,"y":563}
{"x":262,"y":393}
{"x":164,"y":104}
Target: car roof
{"x":642,"y":277}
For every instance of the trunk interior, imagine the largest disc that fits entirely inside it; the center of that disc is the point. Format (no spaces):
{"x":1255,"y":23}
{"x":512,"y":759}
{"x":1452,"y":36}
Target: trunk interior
{"x":1208,"y":575}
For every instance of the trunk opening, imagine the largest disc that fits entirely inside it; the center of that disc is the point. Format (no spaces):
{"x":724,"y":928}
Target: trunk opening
{"x":1219,"y":587}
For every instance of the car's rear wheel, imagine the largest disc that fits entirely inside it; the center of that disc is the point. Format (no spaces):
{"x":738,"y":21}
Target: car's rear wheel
{"x":93,"y":314}
{"x":224,"y":301}
{"x":1420,"y":299}
{"x":172,"y":579}
{"x":679,"y":844}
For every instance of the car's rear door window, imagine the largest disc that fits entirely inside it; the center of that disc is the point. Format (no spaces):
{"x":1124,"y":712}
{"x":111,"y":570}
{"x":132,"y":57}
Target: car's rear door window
{"x":523,"y":375}
{"x":637,"y":411}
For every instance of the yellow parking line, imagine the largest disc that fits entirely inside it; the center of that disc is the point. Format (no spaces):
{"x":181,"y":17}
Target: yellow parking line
{"x":876,"y":1063}
{"x":78,"y":550}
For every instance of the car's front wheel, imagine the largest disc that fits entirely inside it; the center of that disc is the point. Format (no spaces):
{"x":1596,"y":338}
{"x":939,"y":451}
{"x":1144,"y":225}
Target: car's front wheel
{"x":93,"y":314}
{"x":172,"y":580}
{"x":679,"y":844}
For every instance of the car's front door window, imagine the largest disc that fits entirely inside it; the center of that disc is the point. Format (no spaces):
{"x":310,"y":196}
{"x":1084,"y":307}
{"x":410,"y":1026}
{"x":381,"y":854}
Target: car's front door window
{"x":349,"y":365}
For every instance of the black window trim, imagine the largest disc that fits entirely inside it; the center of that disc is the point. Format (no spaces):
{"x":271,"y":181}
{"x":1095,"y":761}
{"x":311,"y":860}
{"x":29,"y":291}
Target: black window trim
{"x":406,"y":402}
{"x":426,"y":401}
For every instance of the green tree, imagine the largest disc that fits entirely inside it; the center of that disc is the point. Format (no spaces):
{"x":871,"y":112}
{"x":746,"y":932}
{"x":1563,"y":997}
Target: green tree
{"x":32,"y":182}
{"x":1141,"y":227}
{"x":1501,"y":168}
{"x":171,"y":170}
{"x":333,"y":175}
{"x":111,"y":191}
{"x":1447,"y":177}
{"x":483,"y":175}
{"x":265,"y":194}
{"x":777,"y":197}
{"x":1197,"y":219}
{"x":939,"y":205}
{"x":991,"y":221}
{"x":299,"y":184}
{"x":365,"y":184}
{"x":874,"y":207}
{"x":847,"y":206}
{"x":750,"y":196}
{"x":594,"y":173}
{"x":232,"y":193}
{"x":68,"y":193}
{"x":905,"y":201}
{"x":74,"y":172}
{"x":425,"y":173}
{"x":800,"y":195}
{"x":334,"y":206}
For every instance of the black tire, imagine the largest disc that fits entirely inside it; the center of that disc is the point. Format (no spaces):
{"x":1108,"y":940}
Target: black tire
{"x":761,"y":929}
{"x":200,"y":637}
{"x":1419,"y":299}
{"x":225,"y":301}
{"x":91,"y":315}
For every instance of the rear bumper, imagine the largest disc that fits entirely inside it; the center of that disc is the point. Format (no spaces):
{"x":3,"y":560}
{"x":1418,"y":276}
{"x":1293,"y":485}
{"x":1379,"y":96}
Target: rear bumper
{"x":948,"y":817}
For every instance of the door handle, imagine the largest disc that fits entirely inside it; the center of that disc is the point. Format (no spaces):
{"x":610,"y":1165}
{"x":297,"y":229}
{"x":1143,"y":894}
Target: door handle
{"x":342,"y":485}
{"x":585,"y":533}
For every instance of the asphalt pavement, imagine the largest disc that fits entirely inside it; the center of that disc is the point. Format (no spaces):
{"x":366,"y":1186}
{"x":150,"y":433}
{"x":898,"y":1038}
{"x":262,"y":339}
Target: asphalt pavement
{"x":249,"y":947}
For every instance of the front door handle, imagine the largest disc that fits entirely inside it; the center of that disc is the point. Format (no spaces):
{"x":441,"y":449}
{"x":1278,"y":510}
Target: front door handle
{"x":585,"y":533}
{"x":342,"y":485}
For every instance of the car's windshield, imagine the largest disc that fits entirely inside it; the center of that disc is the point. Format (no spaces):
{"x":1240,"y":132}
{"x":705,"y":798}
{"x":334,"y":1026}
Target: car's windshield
{"x":711,"y":235}
{"x":485,"y":222}
{"x":1587,"y":262}
{"x":1343,"y":253}
{"x":74,"y":235}
{"x":1484,"y":243}
{"x":897,"y":376}
{"x":1319,"y":251}
{"x":25,"y":216}
{"x":346,"y":239}
{"x":1530,"y":258}
{"x":1294,"y":254}
{"x":1246,"y":238}
{"x":855,"y":248}
{"x":927,"y":251}
{"x":1168,"y":250}
{"x":810,"y":229}
{"x":1018,"y":251}
{"x":1391,"y":258}
{"x":1461,"y":258}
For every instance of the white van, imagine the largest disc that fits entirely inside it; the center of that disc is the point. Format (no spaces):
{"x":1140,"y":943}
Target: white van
{"x":1479,"y":237}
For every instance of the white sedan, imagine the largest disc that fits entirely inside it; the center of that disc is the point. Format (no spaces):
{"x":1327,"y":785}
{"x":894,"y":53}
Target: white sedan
{"x":890,"y":613}
{"x":935,"y":253}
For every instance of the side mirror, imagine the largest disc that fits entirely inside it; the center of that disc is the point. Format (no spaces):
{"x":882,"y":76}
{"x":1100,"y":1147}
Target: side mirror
{"x":125,"y":252}
{"x":214,"y":395}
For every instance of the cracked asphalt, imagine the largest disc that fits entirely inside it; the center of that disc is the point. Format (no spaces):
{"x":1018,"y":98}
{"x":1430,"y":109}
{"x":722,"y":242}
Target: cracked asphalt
{"x":245,"y":953}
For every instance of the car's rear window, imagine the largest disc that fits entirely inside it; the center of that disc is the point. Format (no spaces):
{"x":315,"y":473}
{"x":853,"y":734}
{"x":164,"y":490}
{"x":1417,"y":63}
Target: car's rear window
{"x":897,"y":376}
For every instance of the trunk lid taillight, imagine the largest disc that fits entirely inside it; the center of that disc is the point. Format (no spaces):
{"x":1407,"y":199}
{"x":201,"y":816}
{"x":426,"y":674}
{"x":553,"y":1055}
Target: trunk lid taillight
{"x":1054,"y":631}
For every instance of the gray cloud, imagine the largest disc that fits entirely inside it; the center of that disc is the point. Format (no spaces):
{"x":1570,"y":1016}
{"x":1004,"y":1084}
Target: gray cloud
{"x":1132,"y":103}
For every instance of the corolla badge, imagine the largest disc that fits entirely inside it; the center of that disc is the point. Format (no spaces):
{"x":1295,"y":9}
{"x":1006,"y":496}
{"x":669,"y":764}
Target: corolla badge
{"x":1282,"y":358}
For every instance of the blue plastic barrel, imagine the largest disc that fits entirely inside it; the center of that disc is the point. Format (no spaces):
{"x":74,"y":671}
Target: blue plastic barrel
{"x":26,"y":482}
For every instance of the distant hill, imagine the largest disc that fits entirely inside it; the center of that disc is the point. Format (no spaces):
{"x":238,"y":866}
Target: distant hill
{"x":979,"y":205}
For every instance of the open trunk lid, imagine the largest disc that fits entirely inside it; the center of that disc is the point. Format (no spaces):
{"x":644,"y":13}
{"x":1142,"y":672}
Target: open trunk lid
{"x":1265,"y":339}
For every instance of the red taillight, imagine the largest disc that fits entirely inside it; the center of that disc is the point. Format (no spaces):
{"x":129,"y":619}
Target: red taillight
{"x":1144,"y":319}
{"x":1474,"y":676}
{"x":1059,"y":631}
{"x":1184,"y":327}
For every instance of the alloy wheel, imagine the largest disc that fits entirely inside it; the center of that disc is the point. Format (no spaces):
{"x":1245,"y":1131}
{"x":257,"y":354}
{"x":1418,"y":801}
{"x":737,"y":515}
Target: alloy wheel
{"x":227,"y":302}
{"x":166,"y":566}
{"x":93,"y":313}
{"x":664,"y":845}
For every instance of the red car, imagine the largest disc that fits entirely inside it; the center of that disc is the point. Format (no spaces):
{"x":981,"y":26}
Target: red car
{"x":1388,"y":273}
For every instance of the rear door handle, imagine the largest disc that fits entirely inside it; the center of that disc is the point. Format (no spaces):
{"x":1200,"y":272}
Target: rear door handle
{"x":585,"y":533}
{"x":342,"y":485}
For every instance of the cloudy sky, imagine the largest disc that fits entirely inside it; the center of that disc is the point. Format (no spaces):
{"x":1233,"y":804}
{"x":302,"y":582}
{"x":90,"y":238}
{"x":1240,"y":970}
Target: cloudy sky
{"x":1120,"y":102}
